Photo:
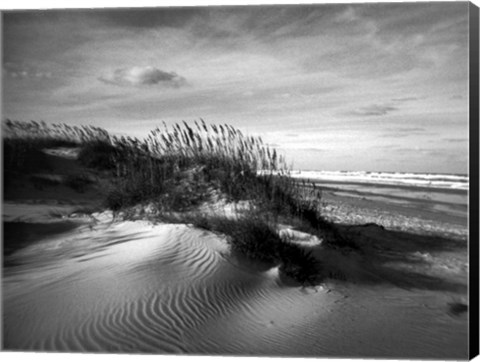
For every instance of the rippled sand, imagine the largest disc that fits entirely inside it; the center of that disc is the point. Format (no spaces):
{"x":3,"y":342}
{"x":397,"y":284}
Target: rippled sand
{"x":139,"y":287}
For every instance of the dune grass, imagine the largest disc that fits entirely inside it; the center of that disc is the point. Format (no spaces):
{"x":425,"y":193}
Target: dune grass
{"x":173,"y":165}
{"x":257,"y":239}
{"x":22,"y":143}
{"x":180,"y":167}
{"x":98,"y":154}
{"x":78,"y":182}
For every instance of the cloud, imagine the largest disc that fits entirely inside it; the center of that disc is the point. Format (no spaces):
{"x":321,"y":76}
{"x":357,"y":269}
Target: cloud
{"x":329,"y":65}
{"x":405,"y":99}
{"x":143,"y":76}
{"x":375,"y":110}
{"x":455,"y":140}
{"x":142,"y":18}
{"x":24,"y":72}
{"x":400,"y":132}
{"x":313,"y":149}
{"x":31,"y":75}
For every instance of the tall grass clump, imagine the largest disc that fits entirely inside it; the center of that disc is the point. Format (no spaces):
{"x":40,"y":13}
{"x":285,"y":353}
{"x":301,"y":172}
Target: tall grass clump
{"x":98,"y":154}
{"x":249,"y":236}
{"x":53,"y":134}
{"x":299,"y":264}
{"x":200,"y":158}
{"x":258,"y":240}
{"x":179,"y":167}
{"x":22,"y":141}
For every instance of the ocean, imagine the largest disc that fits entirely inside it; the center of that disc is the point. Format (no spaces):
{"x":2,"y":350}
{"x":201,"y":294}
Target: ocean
{"x":425,"y":180}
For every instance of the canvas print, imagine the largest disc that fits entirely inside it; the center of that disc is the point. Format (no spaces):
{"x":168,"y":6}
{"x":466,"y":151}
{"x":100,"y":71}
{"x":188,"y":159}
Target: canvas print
{"x":264,"y":180}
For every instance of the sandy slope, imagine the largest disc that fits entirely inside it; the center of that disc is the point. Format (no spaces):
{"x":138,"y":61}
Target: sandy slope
{"x":139,"y":287}
{"x":92,"y":283}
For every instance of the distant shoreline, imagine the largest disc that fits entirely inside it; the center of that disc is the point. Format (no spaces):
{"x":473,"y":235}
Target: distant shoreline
{"x":423,"y":217}
{"x":385,"y":172}
{"x":383,"y":185}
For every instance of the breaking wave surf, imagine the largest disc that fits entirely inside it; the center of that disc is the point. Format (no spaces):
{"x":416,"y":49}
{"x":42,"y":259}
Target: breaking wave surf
{"x":438,"y":181}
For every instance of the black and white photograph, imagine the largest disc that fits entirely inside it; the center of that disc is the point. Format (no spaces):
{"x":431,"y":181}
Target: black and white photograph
{"x":266,"y":180}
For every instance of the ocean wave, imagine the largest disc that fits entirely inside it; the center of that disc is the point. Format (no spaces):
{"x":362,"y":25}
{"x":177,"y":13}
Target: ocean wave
{"x":441,"y":181}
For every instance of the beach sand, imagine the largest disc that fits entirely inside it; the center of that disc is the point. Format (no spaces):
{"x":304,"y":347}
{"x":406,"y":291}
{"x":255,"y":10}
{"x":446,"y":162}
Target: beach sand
{"x":76,"y":281}
{"x":424,"y":217}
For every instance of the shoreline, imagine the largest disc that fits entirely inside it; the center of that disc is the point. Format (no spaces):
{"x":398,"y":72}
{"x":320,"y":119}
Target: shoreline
{"x":405,"y":187}
{"x":346,"y":209}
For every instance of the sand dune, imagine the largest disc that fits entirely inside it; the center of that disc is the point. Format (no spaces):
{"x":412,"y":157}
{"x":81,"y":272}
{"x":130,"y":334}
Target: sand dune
{"x":91,"y":282}
{"x":138,"y":287}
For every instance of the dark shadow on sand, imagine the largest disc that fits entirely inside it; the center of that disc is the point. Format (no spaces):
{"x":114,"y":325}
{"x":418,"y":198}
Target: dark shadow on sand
{"x":382,"y":251}
{"x":370,"y":236}
{"x":18,"y":235}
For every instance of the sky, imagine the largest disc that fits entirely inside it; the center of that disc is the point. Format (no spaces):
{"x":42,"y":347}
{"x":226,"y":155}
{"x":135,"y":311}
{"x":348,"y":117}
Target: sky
{"x":375,"y":87}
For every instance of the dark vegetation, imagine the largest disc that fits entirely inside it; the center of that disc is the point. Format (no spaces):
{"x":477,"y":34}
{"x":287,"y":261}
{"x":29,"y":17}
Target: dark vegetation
{"x":257,"y":239}
{"x":98,"y":154}
{"x":22,"y":144}
{"x":77,"y":182}
{"x":42,"y":182}
{"x":178,"y":169}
